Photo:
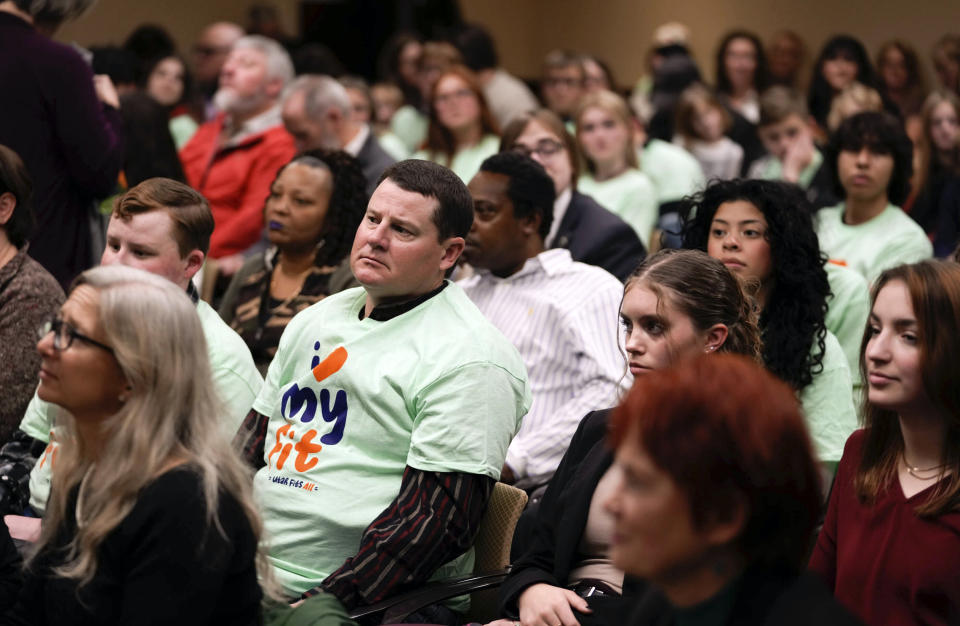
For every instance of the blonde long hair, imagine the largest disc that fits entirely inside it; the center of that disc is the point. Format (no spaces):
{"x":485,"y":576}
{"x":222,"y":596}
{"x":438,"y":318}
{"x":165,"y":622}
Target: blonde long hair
{"x":926,"y":151}
{"x":617,"y":107}
{"x":172,"y":414}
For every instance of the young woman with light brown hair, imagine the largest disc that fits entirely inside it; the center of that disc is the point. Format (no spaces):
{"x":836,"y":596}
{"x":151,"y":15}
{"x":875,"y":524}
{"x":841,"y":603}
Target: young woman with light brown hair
{"x":891,"y":539}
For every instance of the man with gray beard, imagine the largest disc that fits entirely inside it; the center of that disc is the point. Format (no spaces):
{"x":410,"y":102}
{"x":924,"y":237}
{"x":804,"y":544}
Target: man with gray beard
{"x":233,"y":159}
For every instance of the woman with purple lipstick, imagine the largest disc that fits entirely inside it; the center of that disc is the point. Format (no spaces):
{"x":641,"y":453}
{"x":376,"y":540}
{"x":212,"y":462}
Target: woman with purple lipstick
{"x":315,"y":205}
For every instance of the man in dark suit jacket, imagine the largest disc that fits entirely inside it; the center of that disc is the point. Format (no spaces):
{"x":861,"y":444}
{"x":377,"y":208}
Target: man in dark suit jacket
{"x":596,"y":236}
{"x":593,"y":234}
{"x":317,"y":112}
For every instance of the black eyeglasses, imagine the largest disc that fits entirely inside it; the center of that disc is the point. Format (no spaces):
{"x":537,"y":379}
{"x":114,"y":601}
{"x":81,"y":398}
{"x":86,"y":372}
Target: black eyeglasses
{"x":64,"y":334}
{"x":544,"y":148}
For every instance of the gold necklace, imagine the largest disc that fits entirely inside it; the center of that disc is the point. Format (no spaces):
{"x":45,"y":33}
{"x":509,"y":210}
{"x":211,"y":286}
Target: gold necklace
{"x":914,"y":471}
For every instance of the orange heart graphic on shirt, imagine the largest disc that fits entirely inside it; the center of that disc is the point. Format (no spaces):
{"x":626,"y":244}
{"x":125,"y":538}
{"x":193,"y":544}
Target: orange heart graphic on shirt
{"x":330,"y":365}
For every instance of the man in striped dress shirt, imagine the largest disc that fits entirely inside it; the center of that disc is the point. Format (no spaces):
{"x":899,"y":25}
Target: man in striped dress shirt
{"x":560,"y":314}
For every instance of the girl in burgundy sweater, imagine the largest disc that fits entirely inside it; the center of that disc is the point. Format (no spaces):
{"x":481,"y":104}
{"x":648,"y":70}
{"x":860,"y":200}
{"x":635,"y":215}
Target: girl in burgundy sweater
{"x":890,"y":544}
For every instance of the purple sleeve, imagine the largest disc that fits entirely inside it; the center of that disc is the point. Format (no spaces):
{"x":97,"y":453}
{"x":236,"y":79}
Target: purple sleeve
{"x":88,"y":131}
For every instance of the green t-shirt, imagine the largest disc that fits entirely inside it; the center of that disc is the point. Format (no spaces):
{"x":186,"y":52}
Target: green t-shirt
{"x":393,"y":146}
{"x":847,"y":312}
{"x":353,"y":402}
{"x":235,"y":378}
{"x":466,"y":163}
{"x":630,"y":195}
{"x":888,"y":240}
{"x":674,"y":171}
{"x":771,"y":168}
{"x":410,"y":126}
{"x":182,"y":128}
{"x":827,"y":403}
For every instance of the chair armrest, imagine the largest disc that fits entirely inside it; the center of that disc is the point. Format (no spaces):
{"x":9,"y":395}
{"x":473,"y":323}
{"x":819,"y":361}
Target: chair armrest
{"x":397,"y":608}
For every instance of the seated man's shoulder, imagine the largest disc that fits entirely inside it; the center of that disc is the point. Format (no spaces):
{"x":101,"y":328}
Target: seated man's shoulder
{"x":467,"y":328}
{"x":220,"y":337}
{"x":578,"y":284}
{"x":234,"y":371}
{"x":277,"y":137}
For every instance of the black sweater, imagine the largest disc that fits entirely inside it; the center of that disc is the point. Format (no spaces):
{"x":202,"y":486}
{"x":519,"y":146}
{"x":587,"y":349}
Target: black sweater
{"x":162,"y":564}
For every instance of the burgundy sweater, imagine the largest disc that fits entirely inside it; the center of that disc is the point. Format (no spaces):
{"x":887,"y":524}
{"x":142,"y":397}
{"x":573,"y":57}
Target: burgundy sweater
{"x":883,"y":562}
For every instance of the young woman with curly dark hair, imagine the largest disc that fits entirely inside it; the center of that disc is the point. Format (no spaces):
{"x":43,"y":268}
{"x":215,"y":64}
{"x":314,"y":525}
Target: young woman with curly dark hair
{"x":763,"y":232}
{"x":315,"y":205}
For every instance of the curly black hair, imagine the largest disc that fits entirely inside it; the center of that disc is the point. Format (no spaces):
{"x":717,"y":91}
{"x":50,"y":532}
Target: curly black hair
{"x":348,"y":202}
{"x":793,"y":319}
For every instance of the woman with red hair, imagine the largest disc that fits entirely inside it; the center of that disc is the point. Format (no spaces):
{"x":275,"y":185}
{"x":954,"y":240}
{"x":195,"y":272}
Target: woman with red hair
{"x":890,"y":543}
{"x":716,"y":497}
{"x":462,"y":131}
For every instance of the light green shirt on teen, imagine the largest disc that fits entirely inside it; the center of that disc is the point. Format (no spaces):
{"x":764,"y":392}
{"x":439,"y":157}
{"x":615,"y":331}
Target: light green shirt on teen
{"x":353,"y":402}
{"x":630,"y":195}
{"x":410,"y":126}
{"x":827,"y":403}
{"x":466,"y":162}
{"x":235,"y":377}
{"x":889,"y":239}
{"x":771,"y":168}
{"x":673,"y":171}
{"x":847,"y":311}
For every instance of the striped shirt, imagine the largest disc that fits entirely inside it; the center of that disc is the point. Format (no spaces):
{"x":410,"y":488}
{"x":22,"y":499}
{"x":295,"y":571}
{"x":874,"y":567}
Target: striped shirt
{"x":562,"y":316}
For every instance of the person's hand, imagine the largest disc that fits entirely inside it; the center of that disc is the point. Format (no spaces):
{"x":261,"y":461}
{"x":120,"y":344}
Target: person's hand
{"x":23,"y":528}
{"x":798,"y":157}
{"x":506,"y":475}
{"x":229,"y":265}
{"x":546,"y":605}
{"x":105,"y":90}
{"x":503,"y":622}
{"x":294,"y":605}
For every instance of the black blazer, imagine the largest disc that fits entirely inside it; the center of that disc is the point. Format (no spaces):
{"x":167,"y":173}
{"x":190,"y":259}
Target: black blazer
{"x":562,"y":516}
{"x":596,"y":236}
{"x":373,"y":160}
{"x":765,"y":598}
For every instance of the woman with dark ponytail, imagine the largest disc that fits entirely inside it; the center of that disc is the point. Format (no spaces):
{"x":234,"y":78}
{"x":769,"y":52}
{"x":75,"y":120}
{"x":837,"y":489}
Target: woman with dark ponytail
{"x":678,"y":304}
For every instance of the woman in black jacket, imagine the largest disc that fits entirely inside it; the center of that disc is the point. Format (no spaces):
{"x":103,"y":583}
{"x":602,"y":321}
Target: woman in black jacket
{"x":676,"y":305}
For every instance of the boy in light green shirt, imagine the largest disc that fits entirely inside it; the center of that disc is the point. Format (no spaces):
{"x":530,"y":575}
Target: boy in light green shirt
{"x":867,"y":232}
{"x":786,"y":130}
{"x":163,"y":227}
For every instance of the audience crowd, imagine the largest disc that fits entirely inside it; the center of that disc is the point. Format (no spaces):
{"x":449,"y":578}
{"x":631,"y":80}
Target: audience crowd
{"x":704,"y":326}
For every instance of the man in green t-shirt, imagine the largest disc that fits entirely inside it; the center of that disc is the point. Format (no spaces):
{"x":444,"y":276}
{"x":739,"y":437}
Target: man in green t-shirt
{"x":163,"y":227}
{"x":387,"y":411}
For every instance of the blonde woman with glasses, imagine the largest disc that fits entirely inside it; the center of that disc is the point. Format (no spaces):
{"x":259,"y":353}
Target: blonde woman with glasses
{"x":150,"y":517}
